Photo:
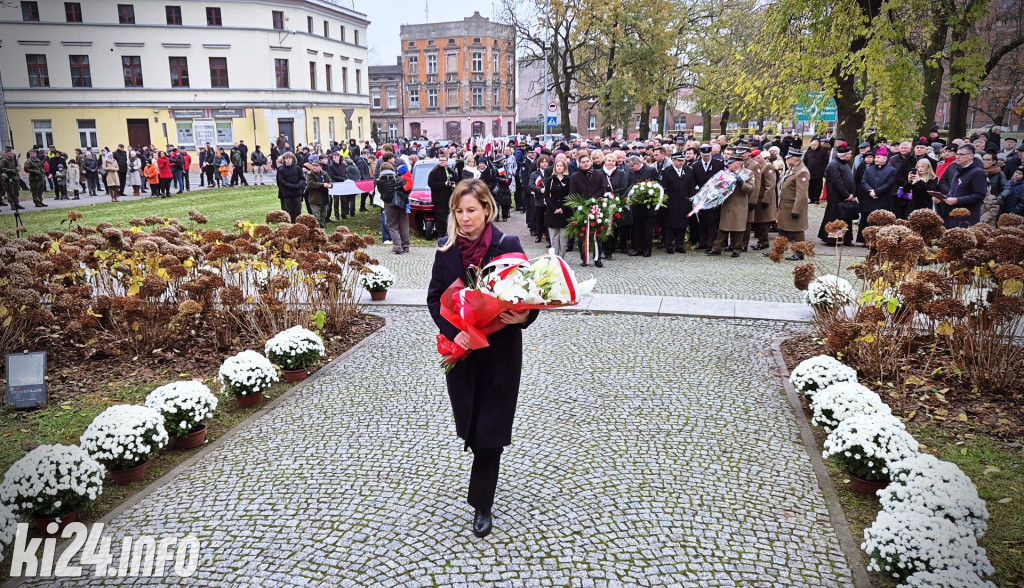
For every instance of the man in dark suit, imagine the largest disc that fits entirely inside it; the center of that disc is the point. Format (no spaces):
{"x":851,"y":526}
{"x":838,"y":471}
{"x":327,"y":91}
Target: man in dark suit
{"x":643,"y":217}
{"x":703,"y":169}
{"x":677,"y":179}
{"x":441,"y":182}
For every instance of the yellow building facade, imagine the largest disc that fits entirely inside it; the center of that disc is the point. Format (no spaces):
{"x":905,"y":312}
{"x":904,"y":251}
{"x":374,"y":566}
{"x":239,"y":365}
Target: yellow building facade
{"x":176,"y":72}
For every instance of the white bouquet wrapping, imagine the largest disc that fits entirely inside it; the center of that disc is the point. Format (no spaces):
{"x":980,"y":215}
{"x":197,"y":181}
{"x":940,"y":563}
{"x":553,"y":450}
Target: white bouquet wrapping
{"x":247,"y":373}
{"x":864,"y":445}
{"x":52,"y":480}
{"x":376,"y":278}
{"x":843,"y":400}
{"x":545,"y":280}
{"x":930,"y":486}
{"x":184,"y":405}
{"x":817,"y":373}
{"x":904,"y":541}
{"x":124,"y":436}
{"x":829,"y":292}
{"x":647,"y":193}
{"x":296,"y":348}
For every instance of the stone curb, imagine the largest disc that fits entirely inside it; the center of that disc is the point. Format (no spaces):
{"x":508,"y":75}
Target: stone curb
{"x":213,"y":445}
{"x":719,"y":308}
{"x":849,"y":545}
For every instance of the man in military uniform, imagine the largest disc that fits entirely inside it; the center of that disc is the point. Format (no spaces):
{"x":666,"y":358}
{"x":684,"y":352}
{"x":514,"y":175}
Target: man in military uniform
{"x":36,"y":178}
{"x":793,"y":200}
{"x":9,"y":178}
{"x":755,"y":170}
{"x":733,"y":218}
{"x":767,"y":201}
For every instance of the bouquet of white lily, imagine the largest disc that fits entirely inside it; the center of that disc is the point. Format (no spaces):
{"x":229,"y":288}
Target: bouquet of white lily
{"x":52,"y":480}
{"x":125,"y":436}
{"x":247,"y":373}
{"x":184,"y":405}
{"x":296,"y":348}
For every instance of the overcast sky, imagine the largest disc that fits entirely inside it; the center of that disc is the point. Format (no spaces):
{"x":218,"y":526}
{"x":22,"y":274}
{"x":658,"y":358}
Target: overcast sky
{"x":386,"y":16}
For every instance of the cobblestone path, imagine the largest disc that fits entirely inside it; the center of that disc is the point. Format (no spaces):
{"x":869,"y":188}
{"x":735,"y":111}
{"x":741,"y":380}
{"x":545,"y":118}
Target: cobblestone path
{"x":648,"y":451}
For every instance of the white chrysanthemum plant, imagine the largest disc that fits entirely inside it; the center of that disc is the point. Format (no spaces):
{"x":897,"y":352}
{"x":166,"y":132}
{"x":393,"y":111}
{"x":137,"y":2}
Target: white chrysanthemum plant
{"x":8,"y":527}
{"x":819,"y":372}
{"x":947,"y":578}
{"x":51,"y":481}
{"x":125,"y":436}
{"x":376,"y":278}
{"x":184,"y":406}
{"x":864,"y":445}
{"x":829,"y":292}
{"x":296,"y":348}
{"x":843,"y":400}
{"x":247,"y":373}
{"x":904,"y":542}
{"x":928,"y":485}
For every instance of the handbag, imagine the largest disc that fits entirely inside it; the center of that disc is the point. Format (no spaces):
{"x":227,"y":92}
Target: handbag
{"x":849,"y":209}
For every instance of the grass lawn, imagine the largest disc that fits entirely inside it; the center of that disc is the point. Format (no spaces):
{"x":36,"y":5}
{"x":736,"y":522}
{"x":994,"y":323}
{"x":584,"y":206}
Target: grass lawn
{"x":998,"y":474}
{"x":221,"y":206}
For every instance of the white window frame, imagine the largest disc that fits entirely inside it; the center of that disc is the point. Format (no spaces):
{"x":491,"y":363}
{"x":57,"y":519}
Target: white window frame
{"x":42,"y":130}
{"x":591,"y":122}
{"x":392,"y":131}
{"x":87,"y":136}
{"x":316,"y":129}
{"x":413,"y":62}
{"x":478,"y":96}
{"x":375,"y":98}
{"x":431,"y":97}
{"x":392,"y":98}
{"x":414,"y":99}
{"x":431,"y":64}
{"x":497,"y":61}
{"x":477,"y":62}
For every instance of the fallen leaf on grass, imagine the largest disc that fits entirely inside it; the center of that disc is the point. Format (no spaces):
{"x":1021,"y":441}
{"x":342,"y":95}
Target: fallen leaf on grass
{"x":1006,"y":500}
{"x":990,"y":470}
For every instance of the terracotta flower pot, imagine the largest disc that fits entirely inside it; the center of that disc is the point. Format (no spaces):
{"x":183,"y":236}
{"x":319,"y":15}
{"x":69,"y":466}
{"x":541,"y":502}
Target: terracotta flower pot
{"x":805,"y":402}
{"x":191,"y":440}
{"x":378,"y":295}
{"x":129,"y":476}
{"x":295,"y":375}
{"x":865,"y":487}
{"x":65,"y":520}
{"x":250,"y":400}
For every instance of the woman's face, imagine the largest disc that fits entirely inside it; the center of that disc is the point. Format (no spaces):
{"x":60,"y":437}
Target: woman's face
{"x":923,"y":167}
{"x":988,"y":160}
{"x":609,"y":163}
{"x":560,"y":167}
{"x":471,"y":215}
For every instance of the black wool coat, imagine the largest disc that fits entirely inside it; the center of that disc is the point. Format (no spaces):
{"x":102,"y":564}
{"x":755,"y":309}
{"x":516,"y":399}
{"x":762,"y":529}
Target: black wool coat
{"x":483,"y":387}
{"x":678,"y":190}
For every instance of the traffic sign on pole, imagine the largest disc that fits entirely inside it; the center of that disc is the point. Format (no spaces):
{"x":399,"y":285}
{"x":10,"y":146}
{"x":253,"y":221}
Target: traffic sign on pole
{"x":552,"y":121}
{"x":552,"y":107}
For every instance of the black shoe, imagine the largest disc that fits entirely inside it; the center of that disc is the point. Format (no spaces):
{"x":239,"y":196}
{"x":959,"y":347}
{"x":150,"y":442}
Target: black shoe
{"x":647,"y":253}
{"x":670,"y":250}
{"x":712,"y":253}
{"x":794,"y":258}
{"x":597,"y":263}
{"x":42,"y":205}
{"x":583,"y":264}
{"x":735,"y":253}
{"x":757,"y":247}
{"x":634,"y":253}
{"x":75,"y":198}
{"x":568,"y":249}
{"x":681,"y":250}
{"x":608,"y":257}
{"x":19,"y":207}
{"x":363,"y":210}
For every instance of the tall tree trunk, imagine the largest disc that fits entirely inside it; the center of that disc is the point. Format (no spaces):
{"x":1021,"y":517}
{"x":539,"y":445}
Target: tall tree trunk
{"x":610,"y":73}
{"x":958,"y":103}
{"x":724,"y":123}
{"x":645,"y":122}
{"x":933,"y":70}
{"x":705,"y":116}
{"x":662,"y":117}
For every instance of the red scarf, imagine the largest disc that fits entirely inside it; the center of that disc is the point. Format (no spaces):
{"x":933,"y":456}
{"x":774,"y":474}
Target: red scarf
{"x":473,"y":252}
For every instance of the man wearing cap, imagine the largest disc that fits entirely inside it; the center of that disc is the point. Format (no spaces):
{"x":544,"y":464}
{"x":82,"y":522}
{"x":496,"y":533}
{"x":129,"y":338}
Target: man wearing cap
{"x":751,"y":165}
{"x":677,"y":179}
{"x":733,"y":218}
{"x":319,"y":200}
{"x":1013,"y":162}
{"x":862,"y":150}
{"x":9,"y":179}
{"x":839,"y":187}
{"x":767,"y":200}
{"x":704,"y":168}
{"x":793,"y":200}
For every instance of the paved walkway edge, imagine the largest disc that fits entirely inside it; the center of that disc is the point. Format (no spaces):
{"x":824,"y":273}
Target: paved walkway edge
{"x":213,"y":445}
{"x":645,"y":305}
{"x":849,"y":545}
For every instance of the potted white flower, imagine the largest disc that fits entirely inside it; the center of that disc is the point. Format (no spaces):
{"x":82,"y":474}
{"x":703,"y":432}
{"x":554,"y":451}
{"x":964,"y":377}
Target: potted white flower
{"x":246,"y":375}
{"x":295,"y":350}
{"x":8,"y":527}
{"x":903,"y":542}
{"x":51,"y":483}
{"x":928,"y":485}
{"x":829,"y":293}
{"x":123,"y":438}
{"x":817,"y":373}
{"x":184,"y":405}
{"x":376,"y":279}
{"x":864,"y":445}
{"x":947,"y":578}
{"x":843,"y":400}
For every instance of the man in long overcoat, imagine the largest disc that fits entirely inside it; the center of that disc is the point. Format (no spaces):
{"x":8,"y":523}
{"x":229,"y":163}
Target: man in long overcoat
{"x":677,"y":179}
{"x":767,"y":201}
{"x":792,"y":217}
{"x":754,"y":168}
{"x":704,"y":168}
{"x":733,"y":220}
{"x":643,"y":217}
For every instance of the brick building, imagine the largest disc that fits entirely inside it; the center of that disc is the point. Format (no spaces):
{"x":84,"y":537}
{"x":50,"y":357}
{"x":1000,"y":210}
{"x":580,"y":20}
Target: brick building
{"x":459,"y":79}
{"x":387,"y":101}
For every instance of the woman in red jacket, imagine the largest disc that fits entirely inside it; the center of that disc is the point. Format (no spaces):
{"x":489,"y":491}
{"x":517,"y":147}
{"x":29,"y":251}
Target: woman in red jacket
{"x":164,"y":163}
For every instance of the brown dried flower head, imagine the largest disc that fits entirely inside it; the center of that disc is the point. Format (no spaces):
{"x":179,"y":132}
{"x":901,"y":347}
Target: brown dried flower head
{"x":836,"y":228}
{"x":137,"y":222}
{"x":220,"y":251}
{"x":278,"y":216}
{"x":190,"y":307}
{"x":308,"y":220}
{"x":196,"y":217}
{"x":958,"y":240}
{"x":804,"y":247}
{"x":279,"y":282}
{"x":74,"y":215}
{"x":232,"y":296}
{"x":1006,"y":248}
{"x":959,"y":213}
{"x":779,"y":247}
{"x":1005,"y":309}
{"x":153,"y":286}
{"x":1009,"y":272}
{"x":945,"y":309}
{"x":1010,"y":220}
{"x":870,"y":315}
{"x":154,"y":220}
{"x":881,"y":218}
{"x":976,"y":257}
{"x":300,"y":230}
{"x":213,"y":236}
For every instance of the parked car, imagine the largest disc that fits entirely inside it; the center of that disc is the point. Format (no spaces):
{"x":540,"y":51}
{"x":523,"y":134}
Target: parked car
{"x":421,"y":208}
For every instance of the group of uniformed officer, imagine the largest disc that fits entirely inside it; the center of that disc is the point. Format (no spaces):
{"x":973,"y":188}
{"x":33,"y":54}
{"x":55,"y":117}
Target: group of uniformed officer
{"x":10,"y":179}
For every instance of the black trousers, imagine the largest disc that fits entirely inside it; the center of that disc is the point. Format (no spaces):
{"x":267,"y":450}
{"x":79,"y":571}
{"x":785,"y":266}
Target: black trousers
{"x":674,"y":238}
{"x":814,"y":189}
{"x":483,"y":479}
{"x":293,"y":206}
{"x":694,"y":225}
{"x":362,"y":201}
{"x":643,"y":233}
{"x":441,"y":213}
{"x":340,"y":210}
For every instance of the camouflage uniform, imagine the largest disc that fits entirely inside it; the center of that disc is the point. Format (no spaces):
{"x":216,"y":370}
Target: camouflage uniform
{"x":9,"y":178}
{"x":36,"y":180}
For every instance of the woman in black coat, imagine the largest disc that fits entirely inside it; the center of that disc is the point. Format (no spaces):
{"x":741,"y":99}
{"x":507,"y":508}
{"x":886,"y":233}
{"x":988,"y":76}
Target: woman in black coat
{"x":556,"y":213}
{"x":289,"y":185}
{"x":483,"y":387}
{"x":617,"y":183}
{"x":877,"y":190}
{"x":537,"y":185}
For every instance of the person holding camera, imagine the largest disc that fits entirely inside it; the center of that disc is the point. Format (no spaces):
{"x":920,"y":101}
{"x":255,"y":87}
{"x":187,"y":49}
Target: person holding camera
{"x":441,"y":182}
